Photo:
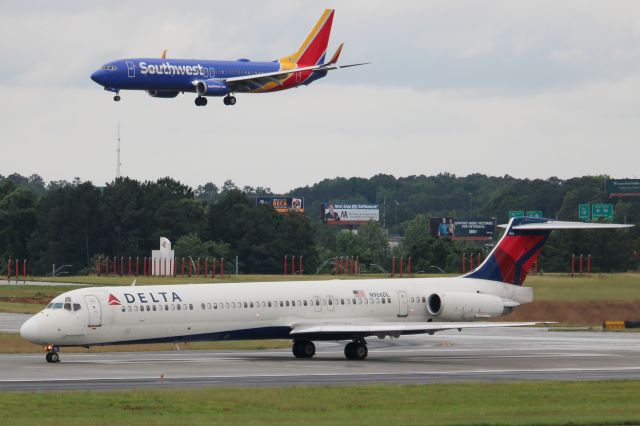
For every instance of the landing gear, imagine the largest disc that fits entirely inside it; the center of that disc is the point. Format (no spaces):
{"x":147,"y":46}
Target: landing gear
{"x":52,"y":354}
{"x":356,"y":350}
{"x":229,"y":100}
{"x":201,"y":101}
{"x":116,"y":98}
{"x":303,"y":349}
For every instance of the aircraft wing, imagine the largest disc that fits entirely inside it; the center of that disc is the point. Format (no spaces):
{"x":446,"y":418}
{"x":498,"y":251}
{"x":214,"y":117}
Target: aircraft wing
{"x":277,"y":77}
{"x":395,"y":329}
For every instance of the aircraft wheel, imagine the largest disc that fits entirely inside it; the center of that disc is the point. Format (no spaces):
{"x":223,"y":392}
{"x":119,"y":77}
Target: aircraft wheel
{"x":52,"y":357}
{"x":200,"y":101}
{"x":116,"y":98}
{"x":232,"y":100}
{"x":303,"y":349}
{"x":225,"y":100}
{"x":356,"y":351}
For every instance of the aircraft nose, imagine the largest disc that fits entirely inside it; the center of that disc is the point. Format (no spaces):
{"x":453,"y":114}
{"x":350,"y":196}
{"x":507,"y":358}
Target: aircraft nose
{"x":97,"y":76}
{"x":30,"y":330}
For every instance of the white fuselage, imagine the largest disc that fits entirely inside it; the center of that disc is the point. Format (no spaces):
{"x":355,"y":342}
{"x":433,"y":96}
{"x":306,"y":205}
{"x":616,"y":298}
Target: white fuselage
{"x":174,"y":313}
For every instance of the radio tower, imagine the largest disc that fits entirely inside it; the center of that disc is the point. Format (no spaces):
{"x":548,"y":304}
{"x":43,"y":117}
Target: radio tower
{"x":118,"y":151}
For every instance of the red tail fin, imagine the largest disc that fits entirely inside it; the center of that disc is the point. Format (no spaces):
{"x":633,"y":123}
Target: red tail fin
{"x":313,"y":49}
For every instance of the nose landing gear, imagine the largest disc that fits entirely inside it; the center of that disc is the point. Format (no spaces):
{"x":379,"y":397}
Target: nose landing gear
{"x":52,"y":354}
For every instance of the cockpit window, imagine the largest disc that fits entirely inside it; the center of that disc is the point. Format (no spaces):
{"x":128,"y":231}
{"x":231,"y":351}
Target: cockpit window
{"x":67,"y":306}
{"x":49,"y":305}
{"x":109,"y":67}
{"x":76,"y":306}
{"x":57,"y":306}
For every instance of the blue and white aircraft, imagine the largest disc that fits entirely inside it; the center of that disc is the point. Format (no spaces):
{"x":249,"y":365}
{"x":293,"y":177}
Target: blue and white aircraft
{"x":164,"y":78}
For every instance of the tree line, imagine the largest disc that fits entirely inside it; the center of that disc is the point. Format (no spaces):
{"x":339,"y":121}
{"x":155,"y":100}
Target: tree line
{"x":73,"y":223}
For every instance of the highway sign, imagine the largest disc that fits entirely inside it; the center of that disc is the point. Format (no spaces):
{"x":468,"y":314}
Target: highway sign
{"x":516,"y":213}
{"x":534,"y":213}
{"x":602,"y":212}
{"x":584,"y":211}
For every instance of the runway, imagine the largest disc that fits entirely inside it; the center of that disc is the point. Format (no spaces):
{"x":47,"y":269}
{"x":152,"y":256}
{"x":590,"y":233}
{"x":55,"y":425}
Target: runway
{"x":448,"y":357}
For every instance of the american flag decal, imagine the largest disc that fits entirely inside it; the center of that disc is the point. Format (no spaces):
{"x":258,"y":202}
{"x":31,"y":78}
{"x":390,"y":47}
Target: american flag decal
{"x":113,"y":300}
{"x":358,"y":293}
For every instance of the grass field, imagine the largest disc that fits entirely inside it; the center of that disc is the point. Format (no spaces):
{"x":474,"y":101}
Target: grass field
{"x":539,"y":403}
{"x":12,"y":343}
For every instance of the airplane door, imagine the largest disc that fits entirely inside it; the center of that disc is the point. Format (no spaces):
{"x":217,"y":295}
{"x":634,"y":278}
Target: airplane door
{"x":132,"y":69}
{"x":95,"y":315}
{"x":298,"y":77}
{"x":403,"y":304}
{"x":316,"y":304}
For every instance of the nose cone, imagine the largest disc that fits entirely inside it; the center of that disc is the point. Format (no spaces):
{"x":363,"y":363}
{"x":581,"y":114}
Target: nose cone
{"x":30,"y":330}
{"x":98,"y":77}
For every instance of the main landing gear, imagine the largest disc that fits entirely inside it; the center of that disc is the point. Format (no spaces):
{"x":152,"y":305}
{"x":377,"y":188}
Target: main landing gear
{"x":201,"y":101}
{"x":356,"y":350}
{"x":229,"y":100}
{"x":303,"y":349}
{"x":116,"y":98}
{"x":52,"y":354}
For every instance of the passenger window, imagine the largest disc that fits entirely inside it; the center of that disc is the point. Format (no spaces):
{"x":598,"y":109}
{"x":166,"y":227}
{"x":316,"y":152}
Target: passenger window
{"x":129,"y":308}
{"x":412,"y":300}
{"x":245,"y":304}
{"x":342,"y":301}
{"x":135,"y":308}
{"x":251,"y":304}
{"x":202,"y":306}
{"x":330,"y":301}
{"x":178,"y":307}
{"x":317,"y":302}
{"x":281,"y":304}
{"x":305,"y":302}
{"x":148,"y":308}
{"x":141,"y":308}
{"x":383,"y":301}
{"x":264,"y":305}
{"x":269,"y":303}
{"x":287,"y":302}
{"x":424,"y":300}
{"x":190,"y":307}
{"x":154,"y":308}
{"x":123,"y":309}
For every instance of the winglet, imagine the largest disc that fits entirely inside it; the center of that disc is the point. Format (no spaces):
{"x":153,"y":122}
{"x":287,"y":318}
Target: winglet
{"x":336,"y":55}
{"x":164,"y":54}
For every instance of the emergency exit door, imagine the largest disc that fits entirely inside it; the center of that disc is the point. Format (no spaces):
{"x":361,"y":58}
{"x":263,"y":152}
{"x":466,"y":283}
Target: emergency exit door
{"x":95,"y":314}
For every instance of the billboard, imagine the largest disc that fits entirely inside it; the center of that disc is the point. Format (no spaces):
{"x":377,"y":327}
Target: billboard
{"x":623,"y":187}
{"x":349,"y":214}
{"x":283,"y":204}
{"x":472,"y":229}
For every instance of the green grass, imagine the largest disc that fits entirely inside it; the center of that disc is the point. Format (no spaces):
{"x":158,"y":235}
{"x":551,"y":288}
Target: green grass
{"x":539,"y":403}
{"x":12,"y":343}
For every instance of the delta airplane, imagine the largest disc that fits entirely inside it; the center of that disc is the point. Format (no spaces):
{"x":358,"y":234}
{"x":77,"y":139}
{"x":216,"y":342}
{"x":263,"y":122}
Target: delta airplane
{"x":303,"y":311}
{"x":163,"y":78}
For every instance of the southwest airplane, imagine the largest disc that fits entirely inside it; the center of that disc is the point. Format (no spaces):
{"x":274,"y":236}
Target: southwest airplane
{"x":303,"y":311}
{"x":163,"y":78}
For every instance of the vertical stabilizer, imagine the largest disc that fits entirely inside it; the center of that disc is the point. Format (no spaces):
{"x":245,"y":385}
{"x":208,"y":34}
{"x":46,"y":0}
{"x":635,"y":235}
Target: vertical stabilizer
{"x":313,"y":49}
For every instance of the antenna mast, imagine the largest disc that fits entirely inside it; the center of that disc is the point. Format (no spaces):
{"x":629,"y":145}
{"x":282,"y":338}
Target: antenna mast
{"x":118,"y":151}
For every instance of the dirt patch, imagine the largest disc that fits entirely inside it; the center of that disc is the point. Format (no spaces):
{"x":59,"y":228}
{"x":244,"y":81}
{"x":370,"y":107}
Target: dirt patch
{"x":578,"y":313}
{"x":36,"y":300}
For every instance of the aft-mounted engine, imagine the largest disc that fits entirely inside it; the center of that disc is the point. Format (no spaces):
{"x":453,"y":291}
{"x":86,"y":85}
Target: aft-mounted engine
{"x":465,"y":306}
{"x":212,"y":87}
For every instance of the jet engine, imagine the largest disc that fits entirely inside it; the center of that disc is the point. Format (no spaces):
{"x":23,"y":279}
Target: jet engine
{"x":163,"y":93}
{"x":212,"y":87}
{"x":465,"y":306}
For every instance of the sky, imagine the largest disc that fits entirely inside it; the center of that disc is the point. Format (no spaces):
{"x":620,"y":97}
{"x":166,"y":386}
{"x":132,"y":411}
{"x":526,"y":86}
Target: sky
{"x":529,"y":89}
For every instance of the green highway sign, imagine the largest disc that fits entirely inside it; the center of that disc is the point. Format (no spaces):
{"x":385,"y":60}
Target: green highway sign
{"x":584,"y":211}
{"x":516,"y":213}
{"x":534,"y":213}
{"x":602,"y":212}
